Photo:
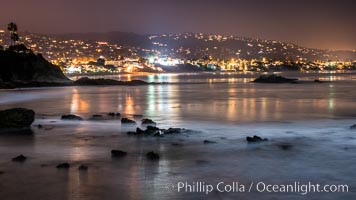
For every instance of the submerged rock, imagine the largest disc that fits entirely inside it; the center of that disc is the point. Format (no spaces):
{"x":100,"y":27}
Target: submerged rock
{"x":118,"y":153}
{"x":71,"y":117}
{"x":150,"y":130}
{"x":152,"y":156}
{"x":174,"y":130}
{"x":127,"y":121}
{"x":353,"y":127}
{"x":83,"y":168}
{"x":111,"y":114}
{"x":20,"y":158}
{"x":255,"y":139}
{"x":63,"y":166}
{"x":274,"y":79}
{"x":176,"y":144}
{"x":208,"y":142}
{"x":285,"y":146}
{"x":147,"y":121}
{"x":155,"y":131}
{"x":16,"y":118}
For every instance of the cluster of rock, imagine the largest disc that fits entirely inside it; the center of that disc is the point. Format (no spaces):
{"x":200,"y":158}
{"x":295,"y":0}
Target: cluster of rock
{"x":256,"y":139}
{"x":120,"y":154}
{"x":124,"y":120}
{"x":151,"y":129}
{"x":22,"y":159}
{"x":155,"y":131}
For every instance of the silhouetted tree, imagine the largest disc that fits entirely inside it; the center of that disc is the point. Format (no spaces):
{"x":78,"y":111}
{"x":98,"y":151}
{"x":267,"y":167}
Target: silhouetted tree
{"x":12,"y":28}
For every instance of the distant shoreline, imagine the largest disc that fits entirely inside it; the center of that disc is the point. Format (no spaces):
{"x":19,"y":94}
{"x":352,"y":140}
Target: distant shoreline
{"x":206,"y":72}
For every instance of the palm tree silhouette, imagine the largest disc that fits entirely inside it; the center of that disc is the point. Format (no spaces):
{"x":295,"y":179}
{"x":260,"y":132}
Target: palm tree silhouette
{"x":12,"y":28}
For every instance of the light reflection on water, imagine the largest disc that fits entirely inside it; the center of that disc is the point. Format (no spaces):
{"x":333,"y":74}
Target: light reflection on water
{"x":225,"y":102}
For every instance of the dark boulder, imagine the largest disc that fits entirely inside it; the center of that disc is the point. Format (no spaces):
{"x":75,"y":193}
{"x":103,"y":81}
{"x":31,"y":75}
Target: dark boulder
{"x":152,"y":156}
{"x":97,"y":117}
{"x":208,"y":142}
{"x":118,"y":153}
{"x":353,"y":127}
{"x":71,"y":117}
{"x":155,"y":131}
{"x":16,"y":118}
{"x":256,"y":139}
{"x":147,"y":121}
{"x":63,"y":166}
{"x":111,"y":114}
{"x":140,"y":131}
{"x":20,"y":158}
{"x":127,"y":121}
{"x":174,"y":130}
{"x":150,"y":130}
{"x":83,"y":168}
{"x":274,"y":79}
{"x":285,"y":146}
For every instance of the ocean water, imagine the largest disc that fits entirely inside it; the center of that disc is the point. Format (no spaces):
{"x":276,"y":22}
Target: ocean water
{"x":307,"y":124}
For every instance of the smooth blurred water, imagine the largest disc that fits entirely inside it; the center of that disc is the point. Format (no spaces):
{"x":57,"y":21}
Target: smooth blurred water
{"x":225,"y":108}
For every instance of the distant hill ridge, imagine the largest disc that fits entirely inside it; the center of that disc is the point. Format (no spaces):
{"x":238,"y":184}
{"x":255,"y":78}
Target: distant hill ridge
{"x":223,"y":46}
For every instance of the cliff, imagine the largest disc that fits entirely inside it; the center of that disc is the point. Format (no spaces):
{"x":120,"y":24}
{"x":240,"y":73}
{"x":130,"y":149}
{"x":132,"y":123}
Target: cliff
{"x":20,"y":65}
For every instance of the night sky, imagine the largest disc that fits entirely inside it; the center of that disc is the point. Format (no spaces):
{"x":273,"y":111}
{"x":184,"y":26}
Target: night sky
{"x":311,"y":23}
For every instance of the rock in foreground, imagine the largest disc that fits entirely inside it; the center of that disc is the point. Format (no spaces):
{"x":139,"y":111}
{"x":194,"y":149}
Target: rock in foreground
{"x":71,"y":117}
{"x":274,"y":79}
{"x":127,"y":121}
{"x":148,"y":121}
{"x":83,"y":168}
{"x":256,"y":139}
{"x":118,"y":153}
{"x":155,"y":131}
{"x":16,"y":118}
{"x":20,"y":158}
{"x":63,"y":166}
{"x":152,"y":156}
